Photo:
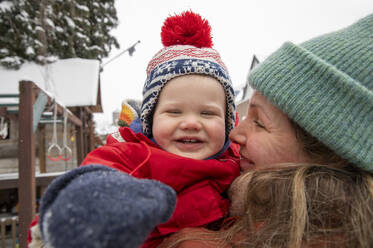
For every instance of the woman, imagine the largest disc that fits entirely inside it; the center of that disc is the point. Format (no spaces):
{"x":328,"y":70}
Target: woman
{"x":307,"y":149}
{"x":307,"y":156}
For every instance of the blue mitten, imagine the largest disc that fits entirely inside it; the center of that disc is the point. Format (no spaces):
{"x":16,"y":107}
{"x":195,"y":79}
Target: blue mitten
{"x":96,"y":206}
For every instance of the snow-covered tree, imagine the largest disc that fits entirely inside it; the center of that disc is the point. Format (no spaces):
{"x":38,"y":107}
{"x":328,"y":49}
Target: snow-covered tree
{"x":103,"y":18}
{"x":11,"y":52}
{"x":36,"y":17}
{"x":45,"y":30}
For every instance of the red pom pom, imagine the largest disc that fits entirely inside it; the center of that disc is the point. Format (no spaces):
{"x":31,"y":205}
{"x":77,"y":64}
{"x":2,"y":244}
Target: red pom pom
{"x":187,"y":28}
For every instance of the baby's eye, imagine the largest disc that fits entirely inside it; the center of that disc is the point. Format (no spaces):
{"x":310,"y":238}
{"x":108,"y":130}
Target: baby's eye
{"x":207,"y":113}
{"x":173,"y":111}
{"x":258,"y":123}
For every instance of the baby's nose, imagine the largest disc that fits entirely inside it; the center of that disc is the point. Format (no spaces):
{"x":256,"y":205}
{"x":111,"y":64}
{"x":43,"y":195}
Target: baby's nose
{"x":191,"y":122}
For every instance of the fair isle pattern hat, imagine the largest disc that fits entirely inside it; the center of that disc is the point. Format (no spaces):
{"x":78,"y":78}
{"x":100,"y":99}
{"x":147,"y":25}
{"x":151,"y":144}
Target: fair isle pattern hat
{"x":187,"y":50}
{"x":326,"y":86}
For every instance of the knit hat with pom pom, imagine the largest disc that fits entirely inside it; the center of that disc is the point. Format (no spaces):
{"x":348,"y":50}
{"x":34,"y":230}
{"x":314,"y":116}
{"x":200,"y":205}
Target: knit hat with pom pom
{"x":187,"y":50}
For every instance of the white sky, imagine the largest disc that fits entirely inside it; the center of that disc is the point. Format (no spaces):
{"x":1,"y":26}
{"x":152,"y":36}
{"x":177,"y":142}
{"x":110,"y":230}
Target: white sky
{"x":240,"y":29}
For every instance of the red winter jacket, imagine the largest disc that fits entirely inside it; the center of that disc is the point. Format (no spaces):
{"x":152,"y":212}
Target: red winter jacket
{"x":199,"y":184}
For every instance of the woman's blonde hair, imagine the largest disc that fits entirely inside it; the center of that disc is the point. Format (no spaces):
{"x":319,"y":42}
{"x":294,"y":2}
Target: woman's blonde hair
{"x":305,"y":206}
{"x":326,"y":204}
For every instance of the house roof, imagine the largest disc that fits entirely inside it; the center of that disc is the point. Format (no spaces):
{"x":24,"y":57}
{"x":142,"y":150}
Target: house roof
{"x":72,"y":82}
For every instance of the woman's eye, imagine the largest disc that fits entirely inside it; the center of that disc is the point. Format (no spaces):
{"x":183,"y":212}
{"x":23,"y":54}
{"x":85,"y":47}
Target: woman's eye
{"x":258,"y":123}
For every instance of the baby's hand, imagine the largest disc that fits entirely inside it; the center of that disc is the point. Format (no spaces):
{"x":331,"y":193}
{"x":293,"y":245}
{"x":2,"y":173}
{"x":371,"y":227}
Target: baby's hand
{"x":96,"y":206}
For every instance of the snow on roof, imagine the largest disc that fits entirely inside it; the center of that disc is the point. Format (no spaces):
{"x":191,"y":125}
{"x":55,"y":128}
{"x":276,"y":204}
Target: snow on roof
{"x":6,"y":5}
{"x":73,"y":82}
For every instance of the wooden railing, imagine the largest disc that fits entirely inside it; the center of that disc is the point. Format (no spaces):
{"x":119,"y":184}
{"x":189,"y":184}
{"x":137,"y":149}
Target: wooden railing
{"x":11,"y":180}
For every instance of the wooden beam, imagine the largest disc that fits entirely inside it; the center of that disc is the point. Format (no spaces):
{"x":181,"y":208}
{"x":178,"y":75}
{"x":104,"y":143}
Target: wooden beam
{"x":11,"y":180}
{"x":61,"y":111}
{"x":9,"y":95}
{"x":8,"y":104}
{"x":26,"y":162}
{"x":70,"y":115}
{"x":88,"y":110}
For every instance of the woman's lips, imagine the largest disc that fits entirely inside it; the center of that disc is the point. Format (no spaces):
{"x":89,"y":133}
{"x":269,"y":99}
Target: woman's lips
{"x":246,"y":164}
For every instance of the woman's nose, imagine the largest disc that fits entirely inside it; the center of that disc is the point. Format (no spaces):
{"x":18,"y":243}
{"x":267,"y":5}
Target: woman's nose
{"x":237,"y":136}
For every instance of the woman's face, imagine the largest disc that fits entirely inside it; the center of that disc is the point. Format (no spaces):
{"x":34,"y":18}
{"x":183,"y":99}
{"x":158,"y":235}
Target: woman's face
{"x":266,"y":137}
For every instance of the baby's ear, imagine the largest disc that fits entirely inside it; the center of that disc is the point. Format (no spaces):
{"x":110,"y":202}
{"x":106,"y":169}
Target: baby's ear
{"x":237,"y":119}
{"x":130,"y":111}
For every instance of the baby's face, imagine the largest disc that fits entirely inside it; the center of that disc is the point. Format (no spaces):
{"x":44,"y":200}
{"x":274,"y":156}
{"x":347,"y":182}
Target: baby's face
{"x":189,"y":119}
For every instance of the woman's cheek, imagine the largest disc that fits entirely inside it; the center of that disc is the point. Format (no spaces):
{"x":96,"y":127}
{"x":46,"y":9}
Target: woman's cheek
{"x":255,"y":151}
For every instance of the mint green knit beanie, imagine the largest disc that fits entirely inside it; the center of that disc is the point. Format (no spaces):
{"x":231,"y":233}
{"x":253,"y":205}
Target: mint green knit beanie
{"x":326,"y":86}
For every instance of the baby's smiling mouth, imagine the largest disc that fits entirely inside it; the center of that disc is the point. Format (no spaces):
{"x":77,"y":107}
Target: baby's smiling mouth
{"x":188,"y":141}
{"x":190,"y":144}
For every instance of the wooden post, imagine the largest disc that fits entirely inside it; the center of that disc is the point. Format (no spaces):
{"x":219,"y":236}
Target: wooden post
{"x":80,"y":139}
{"x":91,"y":134}
{"x":42,"y":154}
{"x":85,"y":132}
{"x":2,"y":223}
{"x":41,"y":139}
{"x":26,"y":162}
{"x":14,"y":232}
